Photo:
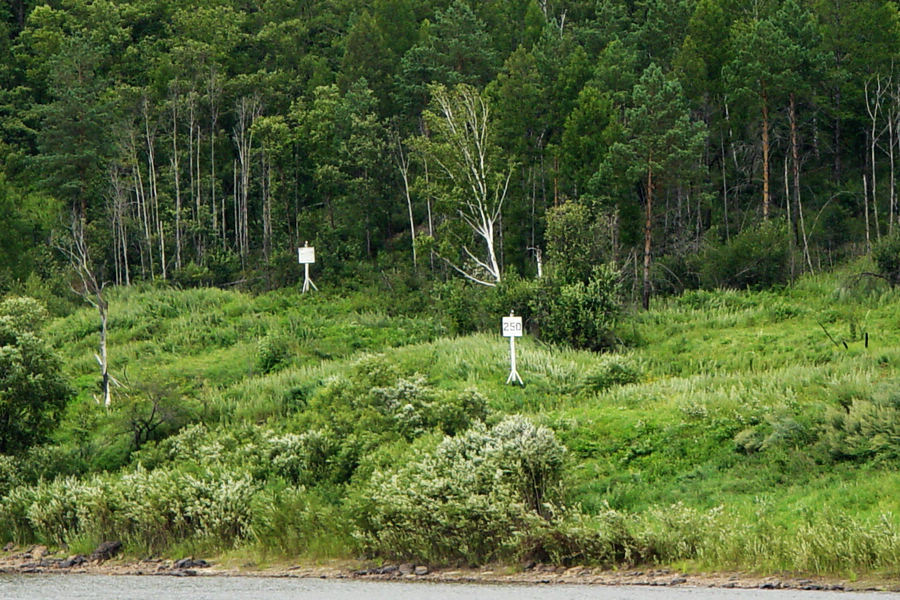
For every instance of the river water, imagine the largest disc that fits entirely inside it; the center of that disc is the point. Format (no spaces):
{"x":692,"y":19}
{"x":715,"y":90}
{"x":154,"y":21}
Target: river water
{"x":121,"y":587}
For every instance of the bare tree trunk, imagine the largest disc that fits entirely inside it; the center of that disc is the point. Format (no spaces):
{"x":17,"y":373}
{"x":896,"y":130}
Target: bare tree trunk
{"x":266,"y":188}
{"x":199,"y":237}
{"x":648,"y":231}
{"x":247,"y":112}
{"x":866,"y":205}
{"x":91,"y":290}
{"x":791,"y":228}
{"x":141,"y":208}
{"x":795,"y":155}
{"x":119,"y":198}
{"x":154,"y":193}
{"x":147,"y":210}
{"x":402,"y":160}
{"x":234,"y":206}
{"x":724,"y":184}
{"x":873,"y":107}
{"x":193,"y":167}
{"x":176,"y":174}
{"x":213,"y":91}
{"x":765,"y":149}
{"x":893,"y":115}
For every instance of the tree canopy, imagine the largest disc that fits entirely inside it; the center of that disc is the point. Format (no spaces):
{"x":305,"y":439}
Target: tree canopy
{"x":202,"y":143}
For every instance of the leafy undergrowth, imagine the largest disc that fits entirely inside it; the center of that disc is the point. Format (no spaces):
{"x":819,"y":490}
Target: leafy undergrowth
{"x":748,"y":430}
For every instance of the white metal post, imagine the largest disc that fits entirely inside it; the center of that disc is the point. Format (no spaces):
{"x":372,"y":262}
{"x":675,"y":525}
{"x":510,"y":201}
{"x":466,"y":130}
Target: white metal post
{"x":307,"y":255}
{"x":512,"y":328}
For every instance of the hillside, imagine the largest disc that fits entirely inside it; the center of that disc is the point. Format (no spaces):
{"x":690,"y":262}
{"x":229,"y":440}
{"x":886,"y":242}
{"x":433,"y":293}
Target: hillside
{"x":745,"y":430}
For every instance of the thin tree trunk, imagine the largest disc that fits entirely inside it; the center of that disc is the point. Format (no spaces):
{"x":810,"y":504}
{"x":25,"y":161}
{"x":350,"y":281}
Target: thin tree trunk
{"x":213,"y":92}
{"x":141,"y":201}
{"x":837,"y":136}
{"x":792,"y":232}
{"x":724,"y":185}
{"x":873,"y":107}
{"x":248,"y":111}
{"x":199,"y":237}
{"x":176,"y":174}
{"x":765,"y":149}
{"x":403,"y":166}
{"x":266,"y":185}
{"x":648,"y":230}
{"x":104,"y":360}
{"x":866,"y":205}
{"x":892,"y":115}
{"x":154,"y":194}
{"x":795,"y":155}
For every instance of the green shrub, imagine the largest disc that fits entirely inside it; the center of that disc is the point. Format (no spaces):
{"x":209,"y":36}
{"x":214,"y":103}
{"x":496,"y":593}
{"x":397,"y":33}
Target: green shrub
{"x":147,"y":509}
{"x":582,"y":315}
{"x":573,"y":538}
{"x":609,"y":371}
{"x":14,"y":525}
{"x":516,"y":294}
{"x":462,"y":304}
{"x":304,"y":458}
{"x":296,"y":521}
{"x":10,"y":474}
{"x":756,"y":258}
{"x":866,"y":429}
{"x":273,"y":352}
{"x":886,"y":254}
{"x":455,"y":413}
{"x":465,"y":500}
{"x":414,"y":407}
{"x":33,"y":392}
{"x":576,"y":240}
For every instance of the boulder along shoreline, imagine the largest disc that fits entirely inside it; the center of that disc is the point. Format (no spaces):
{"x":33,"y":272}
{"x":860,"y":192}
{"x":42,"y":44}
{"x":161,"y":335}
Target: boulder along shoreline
{"x":105,"y":560}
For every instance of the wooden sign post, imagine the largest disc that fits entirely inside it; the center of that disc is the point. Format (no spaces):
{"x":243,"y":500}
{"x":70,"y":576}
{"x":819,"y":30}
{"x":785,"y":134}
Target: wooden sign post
{"x":512,"y":328}
{"x":307,"y":256}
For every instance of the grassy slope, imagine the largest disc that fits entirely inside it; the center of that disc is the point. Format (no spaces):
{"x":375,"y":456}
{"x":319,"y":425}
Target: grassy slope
{"x":715,"y":368}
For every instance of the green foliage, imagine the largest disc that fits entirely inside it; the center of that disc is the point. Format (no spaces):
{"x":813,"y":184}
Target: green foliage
{"x":273,"y":352}
{"x":465,"y":499}
{"x":755,"y":258}
{"x":583,"y":315}
{"x":728,"y":438}
{"x":886,"y":254}
{"x":145,"y":509}
{"x":298,"y":522}
{"x":32,"y":389}
{"x":576,"y":242}
{"x":611,"y":371}
{"x":462,"y":304}
{"x":865,"y":429}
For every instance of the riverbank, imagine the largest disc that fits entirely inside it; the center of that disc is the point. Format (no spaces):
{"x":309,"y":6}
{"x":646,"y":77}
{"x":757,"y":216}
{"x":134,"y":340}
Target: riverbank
{"x":38,"y":559}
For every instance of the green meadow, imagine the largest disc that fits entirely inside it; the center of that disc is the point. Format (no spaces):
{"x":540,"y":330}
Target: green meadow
{"x":748,"y":430}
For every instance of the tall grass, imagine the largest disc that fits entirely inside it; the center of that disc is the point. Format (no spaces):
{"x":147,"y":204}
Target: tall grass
{"x":748,"y":430}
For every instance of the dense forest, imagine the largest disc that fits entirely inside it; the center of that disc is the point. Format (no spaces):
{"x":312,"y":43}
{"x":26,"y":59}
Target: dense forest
{"x":691,"y":203}
{"x":202,"y":142}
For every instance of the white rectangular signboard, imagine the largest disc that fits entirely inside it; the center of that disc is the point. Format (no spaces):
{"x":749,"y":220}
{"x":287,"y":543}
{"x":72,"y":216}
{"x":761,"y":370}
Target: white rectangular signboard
{"x":512,"y":326}
{"x":307,"y":255}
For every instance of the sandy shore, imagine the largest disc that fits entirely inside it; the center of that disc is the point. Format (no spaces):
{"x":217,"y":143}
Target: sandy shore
{"x":38,"y":559}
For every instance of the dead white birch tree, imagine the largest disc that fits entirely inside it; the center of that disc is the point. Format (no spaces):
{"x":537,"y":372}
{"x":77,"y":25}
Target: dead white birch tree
{"x":117,"y":205}
{"x":90,"y":287}
{"x":476,"y":179}
{"x":874,"y":105}
{"x":247,"y":111}
{"x":401,"y":159}
{"x":176,"y":173}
